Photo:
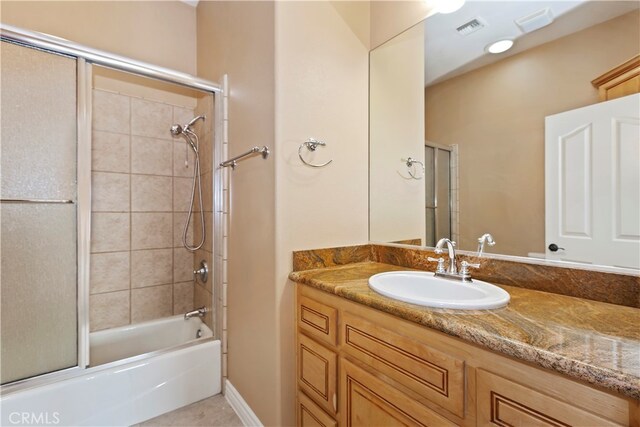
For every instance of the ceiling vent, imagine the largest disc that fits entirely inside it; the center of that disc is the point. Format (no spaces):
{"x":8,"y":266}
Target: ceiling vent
{"x":535,"y":21}
{"x":471,"y":26}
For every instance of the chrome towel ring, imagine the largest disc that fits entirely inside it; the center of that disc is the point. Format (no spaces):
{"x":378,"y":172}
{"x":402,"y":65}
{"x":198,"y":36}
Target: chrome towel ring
{"x":410,"y":163}
{"x":311,"y":145}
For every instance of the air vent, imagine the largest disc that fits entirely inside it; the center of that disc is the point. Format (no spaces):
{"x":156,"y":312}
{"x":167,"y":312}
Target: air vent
{"x":535,"y":21}
{"x":471,"y":26}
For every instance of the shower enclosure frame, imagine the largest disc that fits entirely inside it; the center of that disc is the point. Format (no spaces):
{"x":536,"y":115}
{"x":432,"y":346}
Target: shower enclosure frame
{"x":86,"y":57}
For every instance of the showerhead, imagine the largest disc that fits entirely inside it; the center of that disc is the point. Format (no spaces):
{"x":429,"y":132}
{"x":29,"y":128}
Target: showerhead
{"x":177,"y":130}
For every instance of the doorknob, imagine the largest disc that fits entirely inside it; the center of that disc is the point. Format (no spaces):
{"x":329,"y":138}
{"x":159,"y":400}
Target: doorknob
{"x":554,"y":248}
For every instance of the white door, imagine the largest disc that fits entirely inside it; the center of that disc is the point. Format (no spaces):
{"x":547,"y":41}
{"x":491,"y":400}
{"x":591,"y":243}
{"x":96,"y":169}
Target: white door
{"x":592,"y":183}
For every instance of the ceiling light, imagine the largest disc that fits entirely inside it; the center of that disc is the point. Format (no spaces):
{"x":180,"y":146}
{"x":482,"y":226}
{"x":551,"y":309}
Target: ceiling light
{"x":448,"y":6}
{"x":500,"y":46}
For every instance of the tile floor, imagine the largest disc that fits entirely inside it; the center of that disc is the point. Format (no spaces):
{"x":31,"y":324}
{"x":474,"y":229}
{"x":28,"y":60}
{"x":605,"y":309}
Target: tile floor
{"x":213,"y":412}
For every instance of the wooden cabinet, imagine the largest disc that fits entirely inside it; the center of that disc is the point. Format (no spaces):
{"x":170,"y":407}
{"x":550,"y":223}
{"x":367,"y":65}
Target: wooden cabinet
{"x":369,"y":401}
{"x":317,"y":372}
{"x":620,"y":81}
{"x":311,"y":415}
{"x":361,"y":367}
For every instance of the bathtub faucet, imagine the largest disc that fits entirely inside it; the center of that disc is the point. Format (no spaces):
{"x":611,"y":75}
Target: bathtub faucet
{"x":198,"y":312}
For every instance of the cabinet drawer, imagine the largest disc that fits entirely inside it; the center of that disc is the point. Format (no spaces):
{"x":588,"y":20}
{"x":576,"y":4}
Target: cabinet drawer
{"x":369,"y":401}
{"x":317,"y":373}
{"x":310,"y":414}
{"x":436,"y":376}
{"x":318,"y":320}
{"x":505,"y":403}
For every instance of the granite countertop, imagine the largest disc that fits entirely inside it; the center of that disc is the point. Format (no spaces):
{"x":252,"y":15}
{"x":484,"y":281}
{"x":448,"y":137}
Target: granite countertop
{"x":588,"y":340}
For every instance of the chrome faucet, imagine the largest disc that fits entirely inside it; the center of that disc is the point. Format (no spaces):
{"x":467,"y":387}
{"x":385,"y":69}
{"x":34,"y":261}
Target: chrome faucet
{"x":198,"y":312}
{"x":452,"y":270}
{"x":485,"y":238}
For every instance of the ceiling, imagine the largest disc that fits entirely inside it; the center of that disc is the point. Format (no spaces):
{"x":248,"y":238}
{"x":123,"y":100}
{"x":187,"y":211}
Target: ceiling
{"x":448,"y":54}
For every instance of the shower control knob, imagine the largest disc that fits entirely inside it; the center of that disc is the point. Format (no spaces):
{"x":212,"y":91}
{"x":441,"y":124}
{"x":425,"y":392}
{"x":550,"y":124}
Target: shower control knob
{"x":202,"y":272}
{"x":554,"y":248}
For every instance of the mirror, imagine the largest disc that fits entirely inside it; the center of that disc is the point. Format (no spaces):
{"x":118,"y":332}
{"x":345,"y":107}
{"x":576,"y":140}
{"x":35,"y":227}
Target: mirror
{"x":519,"y":144}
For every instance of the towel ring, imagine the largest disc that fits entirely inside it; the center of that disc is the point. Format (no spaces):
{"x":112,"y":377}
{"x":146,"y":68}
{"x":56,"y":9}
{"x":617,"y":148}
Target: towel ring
{"x":410,"y":163}
{"x":311,"y":145}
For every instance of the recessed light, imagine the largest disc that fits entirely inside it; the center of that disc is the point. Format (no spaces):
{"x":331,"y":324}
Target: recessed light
{"x":448,"y":6}
{"x":500,"y":46}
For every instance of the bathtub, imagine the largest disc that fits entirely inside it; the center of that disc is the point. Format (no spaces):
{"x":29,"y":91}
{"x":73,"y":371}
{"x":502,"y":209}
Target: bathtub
{"x":137,"y":372}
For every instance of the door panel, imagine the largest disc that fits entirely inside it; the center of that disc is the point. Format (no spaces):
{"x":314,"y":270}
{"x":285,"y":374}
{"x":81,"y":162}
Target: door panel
{"x":592,"y":188}
{"x":38,"y":324}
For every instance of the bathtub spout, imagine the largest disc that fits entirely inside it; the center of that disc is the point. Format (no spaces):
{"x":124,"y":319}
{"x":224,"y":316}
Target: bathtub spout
{"x":199,"y":312}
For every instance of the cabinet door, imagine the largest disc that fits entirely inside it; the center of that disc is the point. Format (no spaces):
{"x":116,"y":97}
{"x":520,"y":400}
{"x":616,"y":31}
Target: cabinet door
{"x":317,"y":373}
{"x":310,"y":414}
{"x":505,"y":403}
{"x":368,"y":401}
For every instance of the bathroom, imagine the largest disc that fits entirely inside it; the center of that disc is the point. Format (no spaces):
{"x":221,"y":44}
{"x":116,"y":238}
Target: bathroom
{"x":310,"y":146}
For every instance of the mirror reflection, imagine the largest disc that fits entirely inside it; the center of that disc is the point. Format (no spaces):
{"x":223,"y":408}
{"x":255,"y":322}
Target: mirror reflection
{"x":517,"y":119}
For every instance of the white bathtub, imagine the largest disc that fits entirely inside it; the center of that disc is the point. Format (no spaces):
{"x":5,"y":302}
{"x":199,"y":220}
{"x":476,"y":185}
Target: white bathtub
{"x":138,"y":372}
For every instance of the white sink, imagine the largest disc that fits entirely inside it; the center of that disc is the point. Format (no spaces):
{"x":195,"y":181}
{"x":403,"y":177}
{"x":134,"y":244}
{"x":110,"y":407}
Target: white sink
{"x":423,"y":288}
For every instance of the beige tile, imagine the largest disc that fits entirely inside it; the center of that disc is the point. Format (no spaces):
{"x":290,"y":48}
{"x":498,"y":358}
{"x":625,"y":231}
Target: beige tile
{"x":151,"y":230}
{"x":179,"y":220}
{"x":109,"y":192}
{"x":202,"y":255}
{"x":151,"y":267}
{"x":151,"y":303}
{"x":182,"y":265}
{"x":108,"y":310}
{"x":207,"y":192}
{"x":151,"y":156}
{"x":110,"y":152}
{"x":151,"y":193}
{"x":150,"y":118}
{"x":182,"y":115}
{"x":109,"y":232}
{"x":109,"y":272}
{"x":202,"y":298}
{"x":206,"y":152}
{"x":110,"y":112}
{"x":182,"y":297}
{"x":183,"y":159}
{"x":182,"y":194}
{"x":212,"y":412}
{"x":208,"y":222}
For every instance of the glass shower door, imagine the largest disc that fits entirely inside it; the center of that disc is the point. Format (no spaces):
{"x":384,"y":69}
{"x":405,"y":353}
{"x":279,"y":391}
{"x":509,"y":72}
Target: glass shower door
{"x":38,"y":244}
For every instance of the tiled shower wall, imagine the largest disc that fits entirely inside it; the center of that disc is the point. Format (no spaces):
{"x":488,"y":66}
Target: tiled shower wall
{"x":203,"y":292}
{"x":140,"y":198}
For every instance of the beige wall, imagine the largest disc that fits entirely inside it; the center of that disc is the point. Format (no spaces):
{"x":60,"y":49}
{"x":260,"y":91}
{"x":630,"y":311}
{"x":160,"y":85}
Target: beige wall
{"x":237,"y":38}
{"x":158,"y":32}
{"x":397,"y":133}
{"x":496,"y":116}
{"x":390,"y":18}
{"x":295,"y":70}
{"x":321,"y":91}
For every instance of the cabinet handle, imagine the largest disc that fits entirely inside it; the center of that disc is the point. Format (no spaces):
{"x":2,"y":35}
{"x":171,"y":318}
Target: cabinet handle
{"x":335,"y":403}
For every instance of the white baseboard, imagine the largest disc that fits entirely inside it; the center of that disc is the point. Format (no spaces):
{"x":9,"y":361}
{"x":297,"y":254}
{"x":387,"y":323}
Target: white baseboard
{"x":246,"y":415}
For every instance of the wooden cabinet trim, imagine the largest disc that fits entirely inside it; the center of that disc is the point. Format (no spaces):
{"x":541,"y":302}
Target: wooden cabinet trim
{"x":307,"y":406}
{"x":441,"y":388}
{"x":318,"y":320}
{"x":380,"y":394}
{"x":318,"y":379}
{"x":504,"y":402}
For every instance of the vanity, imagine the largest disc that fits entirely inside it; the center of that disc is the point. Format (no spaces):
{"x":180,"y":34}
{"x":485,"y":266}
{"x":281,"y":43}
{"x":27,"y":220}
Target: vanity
{"x":545,"y":359}
{"x":531,"y":163}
